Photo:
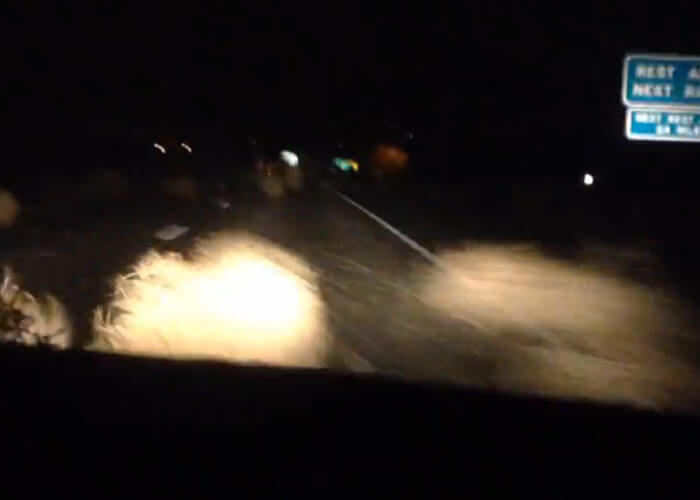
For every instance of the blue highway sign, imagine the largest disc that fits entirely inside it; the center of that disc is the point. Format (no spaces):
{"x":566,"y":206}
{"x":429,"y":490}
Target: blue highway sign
{"x":661,"y":81}
{"x":663,"y":125}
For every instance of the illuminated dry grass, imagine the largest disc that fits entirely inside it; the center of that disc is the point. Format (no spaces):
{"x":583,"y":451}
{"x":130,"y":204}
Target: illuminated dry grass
{"x":235,"y":298}
{"x":9,"y":208}
{"x":567,"y":329}
{"x":31,"y":320}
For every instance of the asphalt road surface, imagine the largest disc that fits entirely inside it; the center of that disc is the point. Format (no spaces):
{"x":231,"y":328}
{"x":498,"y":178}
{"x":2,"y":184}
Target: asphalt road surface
{"x":370,"y":280}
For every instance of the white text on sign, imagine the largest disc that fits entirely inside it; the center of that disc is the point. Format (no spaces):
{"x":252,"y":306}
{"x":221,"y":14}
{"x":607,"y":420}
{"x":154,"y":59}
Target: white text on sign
{"x":652,"y":90}
{"x":661,"y":71}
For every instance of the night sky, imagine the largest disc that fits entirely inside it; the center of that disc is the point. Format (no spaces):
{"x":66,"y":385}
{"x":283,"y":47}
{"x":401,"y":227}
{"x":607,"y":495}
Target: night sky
{"x":459,"y":77}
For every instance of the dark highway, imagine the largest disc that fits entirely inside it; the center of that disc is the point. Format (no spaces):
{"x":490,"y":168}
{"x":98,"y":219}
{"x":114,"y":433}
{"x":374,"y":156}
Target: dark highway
{"x":495,"y":315}
{"x":401,"y":237}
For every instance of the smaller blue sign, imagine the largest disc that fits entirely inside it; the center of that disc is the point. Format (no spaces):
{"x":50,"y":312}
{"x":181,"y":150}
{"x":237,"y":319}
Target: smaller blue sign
{"x":651,"y":80}
{"x":663,"y":125}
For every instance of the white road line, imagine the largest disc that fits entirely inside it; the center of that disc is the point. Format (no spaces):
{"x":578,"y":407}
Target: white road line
{"x":408,"y":241}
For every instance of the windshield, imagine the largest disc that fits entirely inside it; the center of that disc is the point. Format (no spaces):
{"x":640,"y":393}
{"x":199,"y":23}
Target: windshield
{"x":500,"y":197}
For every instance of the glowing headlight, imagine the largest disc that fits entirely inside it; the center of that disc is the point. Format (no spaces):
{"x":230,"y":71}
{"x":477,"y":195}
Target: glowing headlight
{"x":159,"y":147}
{"x":588,"y":180}
{"x":186,"y":147}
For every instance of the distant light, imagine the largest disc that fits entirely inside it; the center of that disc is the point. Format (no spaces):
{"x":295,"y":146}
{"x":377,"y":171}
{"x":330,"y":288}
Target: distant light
{"x":186,"y":147}
{"x":346,"y":164}
{"x":588,"y":180}
{"x":289,"y":158}
{"x":342,"y":164}
{"x":159,"y":147}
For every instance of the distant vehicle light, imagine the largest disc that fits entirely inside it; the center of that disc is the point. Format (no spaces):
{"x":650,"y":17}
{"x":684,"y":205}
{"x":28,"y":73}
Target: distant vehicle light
{"x":290,"y":158}
{"x":588,"y":180}
{"x":186,"y":147}
{"x":159,"y":147}
{"x":389,"y":158}
{"x":346,"y":164}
